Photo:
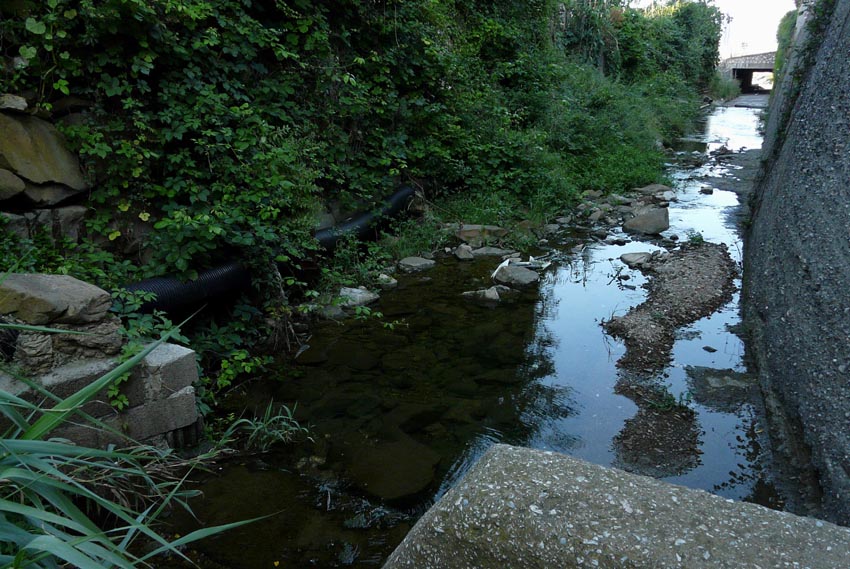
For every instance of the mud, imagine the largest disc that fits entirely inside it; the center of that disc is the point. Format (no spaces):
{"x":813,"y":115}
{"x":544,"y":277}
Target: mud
{"x":688,"y":284}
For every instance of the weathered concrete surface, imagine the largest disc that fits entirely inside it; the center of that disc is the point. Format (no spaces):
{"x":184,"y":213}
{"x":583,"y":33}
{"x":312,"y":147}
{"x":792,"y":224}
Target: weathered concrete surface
{"x":797,"y":261}
{"x":523,"y":508}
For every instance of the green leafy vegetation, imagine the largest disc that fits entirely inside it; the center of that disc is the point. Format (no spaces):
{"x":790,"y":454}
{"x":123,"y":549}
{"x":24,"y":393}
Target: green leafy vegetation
{"x":271,"y":428}
{"x":214,"y":130}
{"x":784,"y":36}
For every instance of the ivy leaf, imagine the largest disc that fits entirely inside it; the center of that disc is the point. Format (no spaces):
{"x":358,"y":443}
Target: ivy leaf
{"x":27,"y":52}
{"x":34,"y":26}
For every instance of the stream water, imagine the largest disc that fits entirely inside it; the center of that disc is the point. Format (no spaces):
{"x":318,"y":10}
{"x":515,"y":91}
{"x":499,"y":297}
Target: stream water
{"x":398,"y":415}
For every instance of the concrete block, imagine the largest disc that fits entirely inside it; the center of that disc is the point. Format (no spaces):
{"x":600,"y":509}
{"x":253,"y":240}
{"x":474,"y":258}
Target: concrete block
{"x":527,"y":508}
{"x":172,"y":368}
{"x":138,"y":423}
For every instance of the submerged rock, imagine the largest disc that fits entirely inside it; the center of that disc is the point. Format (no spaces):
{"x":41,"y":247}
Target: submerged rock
{"x":415,"y":264}
{"x":493,"y":294}
{"x":392,"y":470}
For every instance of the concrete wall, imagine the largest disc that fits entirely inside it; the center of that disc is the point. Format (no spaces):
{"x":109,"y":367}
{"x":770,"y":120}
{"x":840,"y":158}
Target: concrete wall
{"x":797,"y":258}
{"x":524,"y":508}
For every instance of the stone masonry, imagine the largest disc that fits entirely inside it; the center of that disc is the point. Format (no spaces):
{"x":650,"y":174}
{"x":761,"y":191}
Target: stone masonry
{"x":160,"y":393}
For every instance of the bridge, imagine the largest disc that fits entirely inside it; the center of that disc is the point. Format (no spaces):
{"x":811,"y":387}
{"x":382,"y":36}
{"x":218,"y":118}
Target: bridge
{"x":743,"y":67}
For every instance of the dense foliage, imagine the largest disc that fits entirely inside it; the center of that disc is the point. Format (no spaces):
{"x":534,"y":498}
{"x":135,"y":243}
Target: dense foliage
{"x":218,"y":128}
{"x":784,"y":36}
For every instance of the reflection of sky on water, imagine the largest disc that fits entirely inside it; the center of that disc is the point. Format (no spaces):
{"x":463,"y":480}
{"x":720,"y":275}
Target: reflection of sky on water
{"x":584,"y":290}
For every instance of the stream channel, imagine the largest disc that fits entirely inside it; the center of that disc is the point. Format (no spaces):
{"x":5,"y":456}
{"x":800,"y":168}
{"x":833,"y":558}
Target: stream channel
{"x":398,"y":416}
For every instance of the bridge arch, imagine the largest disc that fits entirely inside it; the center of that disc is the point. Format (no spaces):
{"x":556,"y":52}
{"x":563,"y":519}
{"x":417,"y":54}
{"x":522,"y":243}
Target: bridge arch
{"x":744,"y":67}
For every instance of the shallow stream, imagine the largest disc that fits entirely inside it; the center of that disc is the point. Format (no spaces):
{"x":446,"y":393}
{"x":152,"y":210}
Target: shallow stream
{"x":398,"y":415}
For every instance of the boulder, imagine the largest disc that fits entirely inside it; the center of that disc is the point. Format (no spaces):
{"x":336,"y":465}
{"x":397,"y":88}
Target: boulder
{"x":10,"y":184}
{"x":511,"y":275}
{"x":33,"y":149}
{"x":415,"y":264}
{"x":69,"y":220}
{"x":651,"y":222}
{"x":41,"y":195}
{"x":41,"y":299}
{"x":352,"y":297}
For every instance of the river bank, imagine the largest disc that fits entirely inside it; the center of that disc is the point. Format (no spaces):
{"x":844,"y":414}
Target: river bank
{"x":399,"y":415}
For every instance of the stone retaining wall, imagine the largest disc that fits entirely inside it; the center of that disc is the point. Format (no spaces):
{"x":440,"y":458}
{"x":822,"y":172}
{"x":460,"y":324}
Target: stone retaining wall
{"x":161,"y":399}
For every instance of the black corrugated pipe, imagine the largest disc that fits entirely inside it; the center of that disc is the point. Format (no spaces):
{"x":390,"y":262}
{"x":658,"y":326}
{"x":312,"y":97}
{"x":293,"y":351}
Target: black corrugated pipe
{"x":362,"y":223}
{"x":173,"y":294}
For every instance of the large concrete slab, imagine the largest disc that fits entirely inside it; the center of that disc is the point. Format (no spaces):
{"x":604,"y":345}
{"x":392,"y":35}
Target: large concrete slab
{"x":524,"y":508}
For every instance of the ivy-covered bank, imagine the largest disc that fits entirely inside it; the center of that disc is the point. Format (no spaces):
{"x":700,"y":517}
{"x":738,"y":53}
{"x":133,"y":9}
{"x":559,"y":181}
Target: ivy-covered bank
{"x":219,"y":129}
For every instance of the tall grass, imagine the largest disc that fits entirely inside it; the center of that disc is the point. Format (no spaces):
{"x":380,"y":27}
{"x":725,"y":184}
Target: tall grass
{"x":63,"y":505}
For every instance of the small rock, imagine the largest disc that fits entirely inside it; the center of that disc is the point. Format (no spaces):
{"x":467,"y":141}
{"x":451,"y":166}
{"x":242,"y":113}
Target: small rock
{"x":595,"y":216}
{"x":616,"y":241}
{"x":492,"y":252}
{"x":464,"y":253}
{"x":635,"y":260}
{"x":651,"y":222}
{"x":477,"y":235}
{"x":668,"y":196}
{"x":386,"y":282}
{"x":352,"y":297}
{"x":653,"y":189}
{"x":415,"y":264}
{"x":550,"y":229}
{"x":488,"y":294}
{"x":706,"y":190}
{"x":517,"y":276}
{"x":12,"y":103}
{"x":709,"y":349}
{"x":564,"y":220}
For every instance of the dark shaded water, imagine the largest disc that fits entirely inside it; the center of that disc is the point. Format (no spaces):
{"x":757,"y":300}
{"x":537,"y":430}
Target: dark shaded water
{"x":398,"y":415}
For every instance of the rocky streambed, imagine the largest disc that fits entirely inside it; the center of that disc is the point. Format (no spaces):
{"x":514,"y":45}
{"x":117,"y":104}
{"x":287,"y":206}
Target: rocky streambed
{"x":486,"y":346}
